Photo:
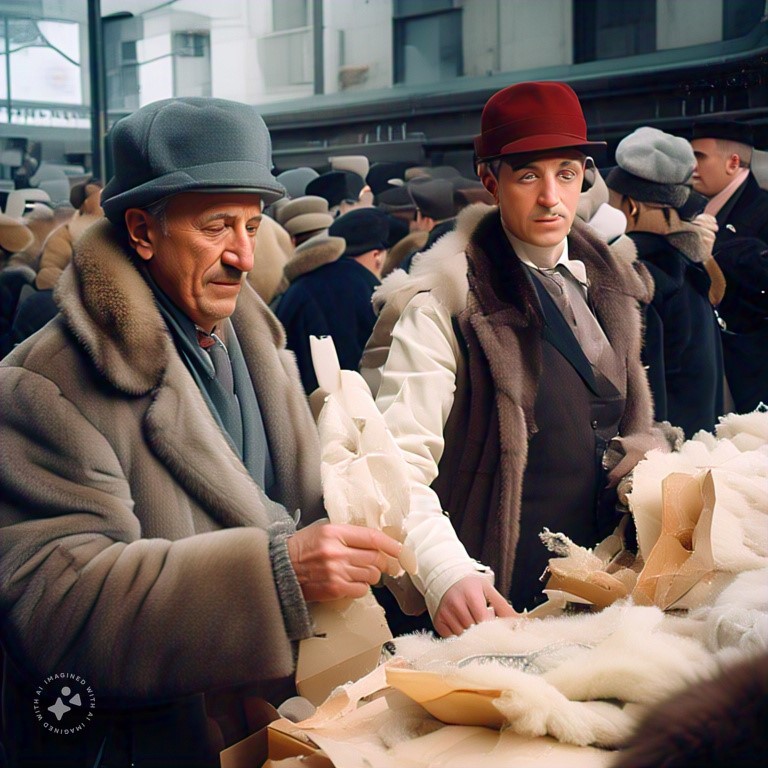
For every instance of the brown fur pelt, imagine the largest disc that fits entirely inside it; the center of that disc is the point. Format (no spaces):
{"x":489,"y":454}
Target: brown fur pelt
{"x":716,"y":723}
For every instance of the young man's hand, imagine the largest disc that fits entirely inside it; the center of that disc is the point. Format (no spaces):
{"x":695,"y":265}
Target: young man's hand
{"x":335,"y":561}
{"x":469,"y":601}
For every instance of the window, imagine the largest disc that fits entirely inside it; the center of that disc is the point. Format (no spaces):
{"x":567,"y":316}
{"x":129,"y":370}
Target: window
{"x":128,"y":51}
{"x":289,"y":14}
{"x":606,"y":29}
{"x":121,"y":63}
{"x":194,"y":44}
{"x":427,"y":41}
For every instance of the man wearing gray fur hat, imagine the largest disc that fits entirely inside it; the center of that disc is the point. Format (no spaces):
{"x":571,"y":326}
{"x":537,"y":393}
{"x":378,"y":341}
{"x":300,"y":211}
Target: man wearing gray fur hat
{"x":682,"y":341}
{"x":156,"y":450}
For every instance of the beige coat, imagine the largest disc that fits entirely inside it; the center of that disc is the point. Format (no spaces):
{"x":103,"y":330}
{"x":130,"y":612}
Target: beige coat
{"x":134,"y":543}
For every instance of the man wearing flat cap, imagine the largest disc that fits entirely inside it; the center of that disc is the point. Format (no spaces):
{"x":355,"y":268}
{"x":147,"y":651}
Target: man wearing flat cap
{"x":723,"y":151}
{"x":513,"y":365}
{"x":681,"y":349}
{"x":334,"y":298}
{"x":156,"y":450}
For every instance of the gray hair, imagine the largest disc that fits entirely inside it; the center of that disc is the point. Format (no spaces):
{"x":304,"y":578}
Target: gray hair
{"x":158,"y":210}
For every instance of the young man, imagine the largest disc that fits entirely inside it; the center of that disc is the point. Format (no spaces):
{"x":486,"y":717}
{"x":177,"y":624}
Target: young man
{"x":155,"y":438}
{"x":514,"y":364}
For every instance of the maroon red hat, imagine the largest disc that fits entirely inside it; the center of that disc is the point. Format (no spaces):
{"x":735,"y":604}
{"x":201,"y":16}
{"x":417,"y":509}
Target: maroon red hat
{"x":532,"y":117}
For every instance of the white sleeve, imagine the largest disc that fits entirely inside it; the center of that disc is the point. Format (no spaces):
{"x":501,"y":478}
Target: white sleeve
{"x":416,"y":395}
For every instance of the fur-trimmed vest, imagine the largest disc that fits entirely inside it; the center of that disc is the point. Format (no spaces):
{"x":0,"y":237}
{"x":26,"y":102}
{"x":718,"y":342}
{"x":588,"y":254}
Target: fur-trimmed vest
{"x":512,"y":327}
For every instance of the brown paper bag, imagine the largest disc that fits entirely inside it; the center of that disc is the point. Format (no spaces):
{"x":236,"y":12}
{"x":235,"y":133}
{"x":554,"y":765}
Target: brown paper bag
{"x":679,"y":571}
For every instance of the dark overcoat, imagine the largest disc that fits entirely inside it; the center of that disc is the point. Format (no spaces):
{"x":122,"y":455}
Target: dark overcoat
{"x":682,"y":346}
{"x":333,"y":300}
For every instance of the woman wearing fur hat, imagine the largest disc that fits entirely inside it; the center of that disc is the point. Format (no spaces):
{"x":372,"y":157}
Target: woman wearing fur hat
{"x":682,"y":340}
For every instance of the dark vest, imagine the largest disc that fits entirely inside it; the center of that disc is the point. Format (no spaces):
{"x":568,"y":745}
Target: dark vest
{"x":564,"y":481}
{"x":556,"y":476}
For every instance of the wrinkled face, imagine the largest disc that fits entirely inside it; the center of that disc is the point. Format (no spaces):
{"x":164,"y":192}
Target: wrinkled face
{"x":538,"y":194}
{"x":202,"y":251}
{"x":711,"y":173}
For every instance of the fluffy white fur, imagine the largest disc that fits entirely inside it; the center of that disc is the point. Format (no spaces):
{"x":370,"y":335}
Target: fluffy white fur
{"x":621,"y":653}
{"x":738,"y":457}
{"x":737,"y":622}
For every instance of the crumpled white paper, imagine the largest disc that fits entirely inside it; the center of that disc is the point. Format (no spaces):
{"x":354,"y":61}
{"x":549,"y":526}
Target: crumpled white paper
{"x":363,"y":472}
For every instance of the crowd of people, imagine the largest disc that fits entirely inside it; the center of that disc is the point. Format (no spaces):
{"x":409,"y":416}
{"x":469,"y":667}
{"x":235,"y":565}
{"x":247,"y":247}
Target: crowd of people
{"x":528,"y":336}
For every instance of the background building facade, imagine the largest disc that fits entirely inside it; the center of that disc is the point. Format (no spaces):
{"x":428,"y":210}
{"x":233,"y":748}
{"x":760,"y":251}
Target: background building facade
{"x":390,"y":78}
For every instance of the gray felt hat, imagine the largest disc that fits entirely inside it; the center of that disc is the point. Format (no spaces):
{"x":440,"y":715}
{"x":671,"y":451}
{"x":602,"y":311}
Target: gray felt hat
{"x":295,"y":180}
{"x":653,"y":167}
{"x":305,"y":214}
{"x":185,"y":145}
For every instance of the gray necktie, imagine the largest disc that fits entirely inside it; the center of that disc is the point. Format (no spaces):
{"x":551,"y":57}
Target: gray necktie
{"x":222,"y":364}
{"x":569,"y":297}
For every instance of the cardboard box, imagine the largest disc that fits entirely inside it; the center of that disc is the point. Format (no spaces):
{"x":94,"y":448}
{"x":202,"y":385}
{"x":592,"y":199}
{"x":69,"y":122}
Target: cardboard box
{"x":347,"y":646}
{"x":280,"y":743}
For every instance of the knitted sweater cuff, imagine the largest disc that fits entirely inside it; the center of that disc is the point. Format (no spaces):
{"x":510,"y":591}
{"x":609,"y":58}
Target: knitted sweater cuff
{"x":298,"y":623}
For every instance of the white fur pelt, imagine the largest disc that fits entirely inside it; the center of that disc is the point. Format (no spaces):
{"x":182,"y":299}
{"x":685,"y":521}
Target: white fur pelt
{"x":737,"y":622}
{"x":738,"y":459}
{"x":622,"y":653}
{"x":569,"y":667}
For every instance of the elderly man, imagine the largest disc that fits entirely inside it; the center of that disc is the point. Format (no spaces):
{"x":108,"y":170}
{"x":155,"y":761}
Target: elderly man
{"x":723,"y":151}
{"x":514,"y":364}
{"x":154,"y":440}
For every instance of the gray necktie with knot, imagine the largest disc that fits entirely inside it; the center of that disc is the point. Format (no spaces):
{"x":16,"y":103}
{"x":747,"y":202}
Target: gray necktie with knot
{"x":222,"y":392}
{"x":568,"y":293}
{"x":215,"y":348}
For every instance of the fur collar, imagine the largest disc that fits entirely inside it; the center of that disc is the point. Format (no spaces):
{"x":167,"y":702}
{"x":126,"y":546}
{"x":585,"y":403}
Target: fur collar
{"x":98,"y":295}
{"x":315,"y":253}
{"x":442,"y":269}
{"x":80,"y":222}
{"x":109,"y":307}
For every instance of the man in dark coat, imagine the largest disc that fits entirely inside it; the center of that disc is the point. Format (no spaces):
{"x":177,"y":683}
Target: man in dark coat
{"x":335,"y":298}
{"x":155,"y":446}
{"x":682,"y":340}
{"x":744,"y":316}
{"x":723,"y":151}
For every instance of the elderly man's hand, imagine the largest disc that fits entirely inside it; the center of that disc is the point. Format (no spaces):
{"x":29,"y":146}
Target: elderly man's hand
{"x":468,"y":602}
{"x":335,"y":561}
